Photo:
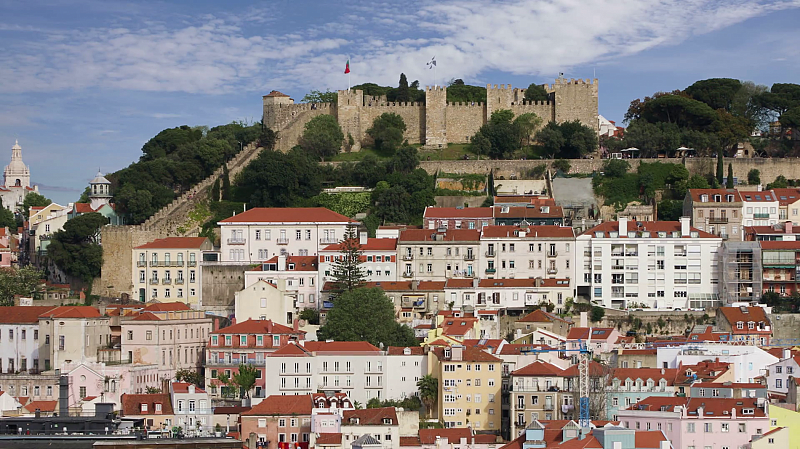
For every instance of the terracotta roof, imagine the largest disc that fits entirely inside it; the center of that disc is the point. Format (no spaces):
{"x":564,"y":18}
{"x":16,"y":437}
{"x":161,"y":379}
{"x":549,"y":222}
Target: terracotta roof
{"x":758,"y":197}
{"x":484,"y":343}
{"x":737,"y":314}
{"x":44,"y":406}
{"x":704,"y":371}
{"x":340,"y":346}
{"x":649,"y":439}
{"x":656,"y":374}
{"x":715,"y":407}
{"x":776,"y":245}
{"x":289,"y":350}
{"x":453,"y":435}
{"x":166,"y":307}
{"x":696,"y":193}
{"x":729,"y":385}
{"x":373,"y":244}
{"x":275,"y":93}
{"x":541,"y":316}
{"x":232,"y":410}
{"x":175,"y":242}
{"x":430,"y":235}
{"x":72,"y":312}
{"x":370,"y":416}
{"x":525,"y":212}
{"x":400,"y":350}
{"x":774,"y":430}
{"x":507,"y":283}
{"x":409,"y":441}
{"x":540,"y":231}
{"x":458,"y":326}
{"x":252,"y":326}
{"x":469,"y":354}
{"x":22,"y":314}
{"x":83,"y":208}
{"x":538,"y":368}
{"x":776,"y":229}
{"x":457,"y":212}
{"x":183,"y":387}
{"x":131,"y":404}
{"x":301,"y":263}
{"x":282,"y":405}
{"x":654,"y":227}
{"x":329,"y":439}
{"x":516,"y":349}
{"x":288,"y":215}
{"x":146,"y":316}
{"x":787,"y":196}
{"x":597,"y":333}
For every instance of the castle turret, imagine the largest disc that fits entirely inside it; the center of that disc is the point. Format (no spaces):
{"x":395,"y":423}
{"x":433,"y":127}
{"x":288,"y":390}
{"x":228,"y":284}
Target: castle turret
{"x":436,"y":117}
{"x":99,"y":191}
{"x":16,"y":174}
{"x":271,"y":103}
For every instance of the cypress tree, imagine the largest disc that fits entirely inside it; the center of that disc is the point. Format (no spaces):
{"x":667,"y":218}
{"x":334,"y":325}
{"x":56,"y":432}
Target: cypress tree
{"x":403,"y":92}
{"x":214,"y":194}
{"x":720,"y":168}
{"x":226,"y":183}
{"x":729,"y":183}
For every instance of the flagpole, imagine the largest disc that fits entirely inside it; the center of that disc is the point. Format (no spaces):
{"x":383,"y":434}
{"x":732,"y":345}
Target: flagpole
{"x":348,"y":74}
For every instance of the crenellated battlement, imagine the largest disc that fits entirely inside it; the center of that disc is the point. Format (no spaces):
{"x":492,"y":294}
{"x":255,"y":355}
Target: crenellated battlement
{"x":435,"y":89}
{"x":477,"y":104}
{"x":392,"y":104}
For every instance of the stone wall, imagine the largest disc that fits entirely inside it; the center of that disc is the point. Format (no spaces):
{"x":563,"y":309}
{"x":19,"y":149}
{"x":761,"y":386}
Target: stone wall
{"x":459,"y":201}
{"x":463,"y":120}
{"x":785,"y":325}
{"x":220,"y":284}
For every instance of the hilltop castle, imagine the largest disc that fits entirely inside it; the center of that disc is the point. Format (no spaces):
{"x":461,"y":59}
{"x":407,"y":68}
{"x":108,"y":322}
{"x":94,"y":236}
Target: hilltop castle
{"x":436,"y":122}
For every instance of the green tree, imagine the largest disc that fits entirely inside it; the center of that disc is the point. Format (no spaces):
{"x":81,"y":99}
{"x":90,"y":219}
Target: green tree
{"x":562,"y":165}
{"x":697,"y":182}
{"x":277,"y":179}
{"x":168,"y":141}
{"x":536,"y":92}
{"x":348,"y":274}
{"x":189,"y":376}
{"x":7,"y":219}
{"x":718,"y":93}
{"x":502,"y":135}
{"x":428,"y":387}
{"x":403,"y":92}
{"x":569,"y":140}
{"x":780,"y":182}
{"x":670,"y":210}
{"x":214,"y":193}
{"x":387,"y":131}
{"x":322,"y":137}
{"x":225,"y":385}
{"x":225,"y":189}
{"x":245,"y":379}
{"x":597,"y":313}
{"x":405,"y":160}
{"x":459,"y":92}
{"x":75,"y":249}
{"x":365,"y":314}
{"x":720,"y":168}
{"x":152,"y":390}
{"x":615,"y":168}
{"x":316,"y":96}
{"x":526,"y":124}
{"x":18,"y":281}
{"x":33,"y":199}
{"x":310,"y":315}
{"x":729,"y":181}
{"x":754,"y":177}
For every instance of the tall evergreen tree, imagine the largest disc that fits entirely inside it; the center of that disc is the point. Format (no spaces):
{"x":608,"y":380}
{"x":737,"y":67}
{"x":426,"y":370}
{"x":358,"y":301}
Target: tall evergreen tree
{"x":347,"y":272}
{"x":214,"y":194}
{"x":226,"y":183}
{"x":403,"y":92}
{"x":729,"y":182}
{"x":720,"y":168}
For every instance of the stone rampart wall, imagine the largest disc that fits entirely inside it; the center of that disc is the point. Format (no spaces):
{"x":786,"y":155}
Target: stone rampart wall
{"x":463,"y":121}
{"x":413,"y":115}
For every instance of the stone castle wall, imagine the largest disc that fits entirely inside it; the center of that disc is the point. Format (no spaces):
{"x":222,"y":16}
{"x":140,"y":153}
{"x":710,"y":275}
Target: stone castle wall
{"x":463,"y":120}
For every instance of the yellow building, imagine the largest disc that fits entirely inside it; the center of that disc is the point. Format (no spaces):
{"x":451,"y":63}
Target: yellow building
{"x":469,"y":387}
{"x":168,"y":270}
{"x":784,"y":417}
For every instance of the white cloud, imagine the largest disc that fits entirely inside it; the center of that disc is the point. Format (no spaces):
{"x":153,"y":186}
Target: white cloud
{"x":229,"y":52}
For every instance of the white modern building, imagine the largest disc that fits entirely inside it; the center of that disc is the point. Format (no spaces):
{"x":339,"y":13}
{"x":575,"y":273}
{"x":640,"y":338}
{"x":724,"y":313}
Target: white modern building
{"x":778,"y":373}
{"x":191,"y":407}
{"x":747,"y":362}
{"x":261,"y":233}
{"x":509,"y":252}
{"x":663,"y":264}
{"x":167,"y":270}
{"x":759,"y":208}
{"x":495,"y":294}
{"x":379,"y":259}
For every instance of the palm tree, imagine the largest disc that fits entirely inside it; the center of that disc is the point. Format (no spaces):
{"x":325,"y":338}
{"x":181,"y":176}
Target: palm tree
{"x":428,"y":391}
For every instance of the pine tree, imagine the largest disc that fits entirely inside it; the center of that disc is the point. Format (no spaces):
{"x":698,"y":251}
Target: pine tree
{"x":347,"y":272}
{"x":729,"y":182}
{"x":720,"y":168}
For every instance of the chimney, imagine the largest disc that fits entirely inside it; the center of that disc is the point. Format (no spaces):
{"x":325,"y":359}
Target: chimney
{"x":584,"y":319}
{"x":787,"y":353}
{"x":457,"y":352}
{"x":191,"y":389}
{"x":282,"y":262}
{"x":787,"y":227}
{"x":623,"y":226}
{"x":685,"y":226}
{"x":475,"y":282}
{"x":296,"y":325}
{"x":363,"y":238}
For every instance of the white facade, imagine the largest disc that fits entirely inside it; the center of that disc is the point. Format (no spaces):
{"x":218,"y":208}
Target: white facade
{"x":509,"y":252}
{"x":495,"y":294}
{"x":760,"y":208}
{"x":265,"y":300}
{"x":659,"y":264}
{"x":167,"y":270}
{"x":19,"y":347}
{"x":778,"y":373}
{"x":747,"y":362}
{"x":191,"y":407}
{"x":298,"y":275}
{"x":16,"y":180}
{"x":262,"y":233}
{"x":404,"y":368}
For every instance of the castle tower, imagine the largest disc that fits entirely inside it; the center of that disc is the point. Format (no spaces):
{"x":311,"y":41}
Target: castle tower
{"x":16,"y":174}
{"x":271,"y":102}
{"x":498,"y":98}
{"x":348,"y":113}
{"x":99,"y":191}
{"x":435,"y":117}
{"x":576,"y":100}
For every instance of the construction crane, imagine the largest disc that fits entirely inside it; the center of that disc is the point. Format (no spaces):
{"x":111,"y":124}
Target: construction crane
{"x":584,"y":356}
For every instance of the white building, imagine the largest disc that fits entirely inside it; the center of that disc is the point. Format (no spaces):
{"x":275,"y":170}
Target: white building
{"x":167,"y":270}
{"x":264,"y":300}
{"x":778,"y":373}
{"x":663,"y":264}
{"x":509,"y":252}
{"x":19,"y":338}
{"x":358,"y":369}
{"x":379,"y":259}
{"x":747,"y":362}
{"x":495,"y":294}
{"x":262,"y":233}
{"x":300,"y":276}
{"x":438,"y":254}
{"x":191,"y":407}
{"x":404,"y":368}
{"x":16,"y":180}
{"x":760,"y":208}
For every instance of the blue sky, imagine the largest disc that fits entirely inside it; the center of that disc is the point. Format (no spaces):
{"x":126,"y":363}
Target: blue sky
{"x":83,"y":84}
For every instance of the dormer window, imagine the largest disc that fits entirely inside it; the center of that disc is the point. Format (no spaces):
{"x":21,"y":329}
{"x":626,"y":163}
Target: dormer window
{"x":739,"y":325}
{"x":407,"y":351}
{"x":751,"y":325}
{"x":717,"y":198}
{"x":291,"y":266}
{"x":447,"y":353}
{"x":387,"y":420}
{"x":730,"y":198}
{"x":354,"y":421}
{"x":143,"y":408}
{"x":158,"y":407}
{"x":703,"y":198}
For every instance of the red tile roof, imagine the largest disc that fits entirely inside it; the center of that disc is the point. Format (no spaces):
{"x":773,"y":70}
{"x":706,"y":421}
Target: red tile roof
{"x":183,"y":387}
{"x":370,"y":416}
{"x":649,"y":439}
{"x":787,"y":196}
{"x":166,"y":307}
{"x":44,"y":406}
{"x":282,"y":405}
{"x":340,"y":346}
{"x":176,"y":243}
{"x":458,"y":326}
{"x":290,"y":350}
{"x":83,"y":208}
{"x":457,"y":212}
{"x":696,"y":193}
{"x":231,"y":410}
{"x":453,"y":435}
{"x":501,"y":231}
{"x":507,"y":283}
{"x":654,"y":227}
{"x":656,"y":374}
{"x":400,"y":350}
{"x":315,"y":215}
{"x":517,"y":349}
{"x":301,"y":263}
{"x":373,"y":244}
{"x":329,"y":439}
{"x":756,"y":197}
{"x":72,"y":312}
{"x":469,"y":354}
{"x":776,"y":245}
{"x":131,"y":404}
{"x":410,"y":441}
{"x":259,"y":327}
{"x":538,"y":368}
{"x":430,"y":235}
{"x":22,"y":314}
{"x":597,"y":333}
{"x":146,"y":316}
{"x":541,"y":316}
{"x":275,"y":93}
{"x":737,"y":314}
{"x":703,"y":371}
{"x":715,"y":407}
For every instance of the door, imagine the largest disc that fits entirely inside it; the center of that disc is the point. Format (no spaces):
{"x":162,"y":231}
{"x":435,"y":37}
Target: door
{"x":141,"y":294}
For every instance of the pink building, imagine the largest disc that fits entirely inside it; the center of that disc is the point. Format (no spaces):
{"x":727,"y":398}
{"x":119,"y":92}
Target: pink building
{"x":700,"y":422}
{"x":92,"y":382}
{"x":601,"y":340}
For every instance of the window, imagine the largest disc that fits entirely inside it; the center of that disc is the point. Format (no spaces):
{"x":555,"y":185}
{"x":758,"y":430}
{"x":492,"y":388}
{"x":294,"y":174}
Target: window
{"x":708,"y":427}
{"x":725,"y":427}
{"x":690,"y":427}
{"x":742,"y":427}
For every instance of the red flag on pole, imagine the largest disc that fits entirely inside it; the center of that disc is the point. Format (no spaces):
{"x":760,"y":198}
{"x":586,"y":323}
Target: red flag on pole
{"x":347,"y":67}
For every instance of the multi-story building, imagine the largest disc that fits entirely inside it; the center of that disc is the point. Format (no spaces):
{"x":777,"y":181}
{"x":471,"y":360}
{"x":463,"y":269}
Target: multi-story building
{"x":700,"y":422}
{"x":43,"y":222}
{"x":470,"y":387}
{"x":780,"y":265}
{"x":539,"y":211}
{"x":778,"y":373}
{"x":760,"y":208}
{"x":727,"y":390}
{"x":247,"y":342}
{"x":154,"y":408}
{"x":527,"y":252}
{"x":379,"y":259}
{"x":662,"y":264}
{"x":717,"y":362}
{"x":381,"y":423}
{"x":300,"y":276}
{"x":19,"y":338}
{"x":715,"y":211}
{"x":788,"y":204}
{"x":169,"y":335}
{"x":91,"y":382}
{"x":535,"y":392}
{"x":439,"y":254}
{"x":191,"y":406}
{"x":457,"y":217}
{"x":71,"y":333}
{"x":542,"y":320}
{"x":261,"y":233}
{"x":280,"y":420}
{"x":405,"y":366}
{"x":506,"y":293}
{"x":167,"y":270}
{"x":782,"y":232}
{"x":600,"y":340}
{"x":628,"y":386}
{"x":264,"y":300}
{"x":749,"y":324}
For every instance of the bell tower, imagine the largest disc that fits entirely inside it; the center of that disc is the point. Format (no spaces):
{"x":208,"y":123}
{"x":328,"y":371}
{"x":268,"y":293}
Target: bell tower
{"x":16,"y":174}
{"x":99,"y":191}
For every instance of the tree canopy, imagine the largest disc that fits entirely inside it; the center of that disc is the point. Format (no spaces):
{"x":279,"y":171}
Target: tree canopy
{"x":316,"y":96}
{"x":75,"y":249}
{"x":567,"y":140}
{"x":33,"y":199}
{"x":365,"y":314}
{"x":322,"y":137}
{"x":18,"y":281}
{"x":348,"y":274}
{"x":536,"y":92}
{"x":276,"y":179}
{"x":387,"y":131}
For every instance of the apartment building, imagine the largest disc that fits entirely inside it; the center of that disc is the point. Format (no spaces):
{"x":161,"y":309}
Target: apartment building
{"x":155,"y":409}
{"x":379,"y":259}
{"x":191,"y":406}
{"x":715,"y":211}
{"x":778,"y":373}
{"x":71,"y":333}
{"x":167,"y":270}
{"x":539,"y":211}
{"x":527,"y":252}
{"x":750,"y":324}
{"x":662,"y":264}
{"x":381,"y":423}
{"x":264,"y":300}
{"x":42,"y":223}
{"x":717,"y":362}
{"x":780,"y":263}
{"x":299,"y":274}
{"x":247,"y":342}
{"x":788,"y":204}
{"x":782,"y":231}
{"x":439,"y":254}
{"x":760,"y":208}
{"x":496,"y":294}
{"x":261,"y":233}
{"x":279,"y":421}
{"x":628,"y":386}
{"x":457,"y":217}
{"x":19,"y":338}
{"x":470,"y":387}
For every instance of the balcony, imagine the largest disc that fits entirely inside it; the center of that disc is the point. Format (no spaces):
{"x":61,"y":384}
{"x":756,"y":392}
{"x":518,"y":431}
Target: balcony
{"x":408,"y":274}
{"x":327,"y":304}
{"x":489,"y":253}
{"x":173,"y":263}
{"x":154,"y":281}
{"x":552,"y":270}
{"x":192,"y":263}
{"x":549,"y":407}
{"x":552,"y":254}
{"x":631,"y":254}
{"x":717,"y":220}
{"x":491,"y":270}
{"x":141,"y":263}
{"x":763,"y":216}
{"x":469,"y":257}
{"x":587,"y":254}
{"x":282,"y":240}
{"x":408,"y":257}
{"x":617,"y":267}
{"x":179,"y":281}
{"x":236,"y":241}
{"x":328,"y":241}
{"x":166,"y":281}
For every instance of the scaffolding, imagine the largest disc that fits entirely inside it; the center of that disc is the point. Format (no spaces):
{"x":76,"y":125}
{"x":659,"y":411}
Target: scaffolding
{"x":741,"y":272}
